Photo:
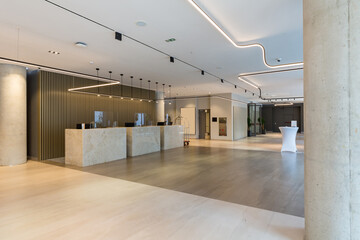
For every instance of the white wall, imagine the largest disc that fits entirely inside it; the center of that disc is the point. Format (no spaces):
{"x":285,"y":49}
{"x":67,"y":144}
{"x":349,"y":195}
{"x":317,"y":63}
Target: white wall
{"x":221,"y":108}
{"x":234,"y":111}
{"x":240,"y":122}
{"x":174,"y":110}
{"x":239,"y":117}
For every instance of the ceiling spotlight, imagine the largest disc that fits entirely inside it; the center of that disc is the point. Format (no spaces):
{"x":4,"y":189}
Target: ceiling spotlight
{"x":81,"y":44}
{"x":278,"y":59}
{"x":170,"y":40}
{"x":140,"y":100}
{"x":140,"y":23}
{"x":149,"y":100}
{"x":121,"y":98}
{"x":91,"y":62}
{"x":98,"y":95}
{"x":110,"y":96}
{"x":132,"y":99}
{"x":202,"y":72}
{"x":222,"y":80}
{"x":118,"y":36}
{"x":53,"y":52}
{"x":172,"y":59}
{"x":169,"y":103}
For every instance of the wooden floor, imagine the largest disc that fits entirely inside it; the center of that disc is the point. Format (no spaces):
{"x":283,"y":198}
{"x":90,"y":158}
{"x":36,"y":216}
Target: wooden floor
{"x":43,"y":201}
{"x":268,"y":180}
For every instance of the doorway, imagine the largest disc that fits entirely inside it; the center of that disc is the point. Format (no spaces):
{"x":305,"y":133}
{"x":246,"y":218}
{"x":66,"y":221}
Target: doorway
{"x":204,"y":124}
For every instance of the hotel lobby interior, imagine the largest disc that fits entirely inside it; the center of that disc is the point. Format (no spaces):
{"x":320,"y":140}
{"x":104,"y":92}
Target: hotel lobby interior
{"x":182,"y":119}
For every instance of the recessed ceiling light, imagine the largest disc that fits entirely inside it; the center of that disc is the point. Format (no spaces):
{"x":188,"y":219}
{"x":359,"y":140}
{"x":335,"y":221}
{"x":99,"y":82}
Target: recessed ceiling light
{"x":91,"y":62}
{"x":140,"y":23}
{"x":81,"y":44}
{"x":170,"y":40}
{"x":53,"y":52}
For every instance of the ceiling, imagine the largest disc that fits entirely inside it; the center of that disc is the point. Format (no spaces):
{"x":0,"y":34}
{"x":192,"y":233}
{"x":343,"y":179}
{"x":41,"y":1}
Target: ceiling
{"x":29,"y":29}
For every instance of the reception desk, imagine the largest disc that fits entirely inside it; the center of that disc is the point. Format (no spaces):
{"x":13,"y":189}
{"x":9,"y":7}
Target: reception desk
{"x":172,"y":136}
{"x":142,"y":140}
{"x":86,"y":147}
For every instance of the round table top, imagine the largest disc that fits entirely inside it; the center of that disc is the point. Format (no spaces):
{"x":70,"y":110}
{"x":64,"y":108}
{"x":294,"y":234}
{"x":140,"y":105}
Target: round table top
{"x":289,"y":128}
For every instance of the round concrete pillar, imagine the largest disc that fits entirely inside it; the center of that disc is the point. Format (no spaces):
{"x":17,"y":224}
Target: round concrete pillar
{"x":332,"y":119}
{"x":160,"y":107}
{"x":12,"y":115}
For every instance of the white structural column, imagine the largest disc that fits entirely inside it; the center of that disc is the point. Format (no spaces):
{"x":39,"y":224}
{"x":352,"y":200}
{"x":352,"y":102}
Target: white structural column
{"x":332,"y":119}
{"x":12,"y":115}
{"x":160,"y":107}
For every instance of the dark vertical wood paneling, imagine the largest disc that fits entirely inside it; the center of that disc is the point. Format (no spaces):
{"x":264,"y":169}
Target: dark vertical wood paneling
{"x":60,"y":109}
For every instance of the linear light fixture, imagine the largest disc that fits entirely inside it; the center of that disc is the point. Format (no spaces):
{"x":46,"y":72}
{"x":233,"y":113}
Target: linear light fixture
{"x":93,"y":86}
{"x":107,"y":95}
{"x":247,"y":82}
{"x":192,"y":2}
{"x":283,"y":104}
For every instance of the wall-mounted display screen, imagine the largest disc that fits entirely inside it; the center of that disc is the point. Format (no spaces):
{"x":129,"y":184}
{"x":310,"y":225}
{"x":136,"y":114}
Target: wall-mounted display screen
{"x":222,"y":126}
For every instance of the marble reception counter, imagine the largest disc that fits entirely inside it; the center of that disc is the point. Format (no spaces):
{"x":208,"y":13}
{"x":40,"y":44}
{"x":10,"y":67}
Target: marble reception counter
{"x":86,"y":147}
{"x":172,"y":136}
{"x":142,"y":140}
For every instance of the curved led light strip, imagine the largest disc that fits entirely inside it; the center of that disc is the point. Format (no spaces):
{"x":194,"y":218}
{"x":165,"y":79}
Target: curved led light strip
{"x":248,"y":82}
{"x":242,"y":46}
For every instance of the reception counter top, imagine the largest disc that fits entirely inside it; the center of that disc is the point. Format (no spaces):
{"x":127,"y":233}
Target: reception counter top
{"x":86,"y":147}
{"x":172,"y":136}
{"x":142,"y":140}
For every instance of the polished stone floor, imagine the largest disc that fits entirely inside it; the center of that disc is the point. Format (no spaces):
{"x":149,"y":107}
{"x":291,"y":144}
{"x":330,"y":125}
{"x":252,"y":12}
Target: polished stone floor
{"x":43,"y":201}
{"x":200,"y":192}
{"x":259,"y":178}
{"x":268,"y":142}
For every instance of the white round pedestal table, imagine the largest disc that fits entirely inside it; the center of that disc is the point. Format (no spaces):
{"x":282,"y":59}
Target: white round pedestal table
{"x":288,"y":138}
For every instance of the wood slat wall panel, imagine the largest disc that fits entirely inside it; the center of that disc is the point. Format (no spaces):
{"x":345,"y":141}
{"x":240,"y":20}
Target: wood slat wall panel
{"x":60,"y":109}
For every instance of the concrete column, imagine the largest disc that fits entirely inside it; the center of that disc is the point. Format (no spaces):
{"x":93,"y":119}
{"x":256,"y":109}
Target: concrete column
{"x":12,"y":115}
{"x":160,"y":107}
{"x":332,"y":119}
